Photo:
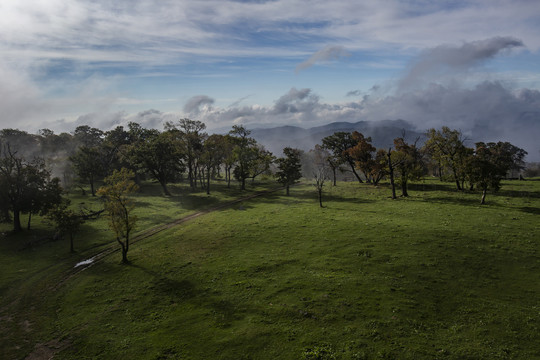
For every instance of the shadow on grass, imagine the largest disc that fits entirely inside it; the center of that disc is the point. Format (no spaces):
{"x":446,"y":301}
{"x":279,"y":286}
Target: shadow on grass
{"x":457,"y":200}
{"x":175,"y":289}
{"x":430,"y":187}
{"x":300,"y":197}
{"x":530,"y":210}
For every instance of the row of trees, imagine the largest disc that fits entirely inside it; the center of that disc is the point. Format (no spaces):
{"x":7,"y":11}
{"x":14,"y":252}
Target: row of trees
{"x":182,"y":149}
{"x":444,"y":153}
{"x":120,"y":158}
{"x":185,"y":149}
{"x":89,"y":155}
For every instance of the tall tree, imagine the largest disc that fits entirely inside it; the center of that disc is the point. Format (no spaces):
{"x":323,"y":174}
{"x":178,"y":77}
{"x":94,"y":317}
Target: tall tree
{"x":212,"y":156}
{"x":490,"y":163}
{"x":88,"y":136}
{"x":261,"y":163}
{"x":407,"y":160}
{"x":158,"y":155}
{"x":245,"y":153}
{"x":119,"y":206}
{"x":88,"y":165}
{"x":447,"y":148}
{"x":289,"y":168}
{"x":362,"y":154}
{"x":190,"y":135}
{"x":339,"y":143}
{"x":321,"y":170}
{"x":26,"y":186}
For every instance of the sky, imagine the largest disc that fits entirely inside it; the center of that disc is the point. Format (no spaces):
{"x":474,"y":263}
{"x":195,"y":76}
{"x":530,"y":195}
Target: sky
{"x":470,"y":65}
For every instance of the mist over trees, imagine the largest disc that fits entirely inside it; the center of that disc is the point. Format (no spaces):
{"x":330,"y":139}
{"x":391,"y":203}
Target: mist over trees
{"x":35,"y":170}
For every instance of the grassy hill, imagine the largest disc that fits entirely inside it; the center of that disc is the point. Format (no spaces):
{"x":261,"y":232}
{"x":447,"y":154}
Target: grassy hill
{"x":432,"y":276}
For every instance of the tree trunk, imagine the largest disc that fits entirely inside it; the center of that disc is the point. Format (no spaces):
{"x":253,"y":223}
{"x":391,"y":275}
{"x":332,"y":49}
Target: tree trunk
{"x":124,"y":250}
{"x":29,"y":220}
{"x":164,"y":186}
{"x":320,"y":197}
{"x":208,"y":182}
{"x":356,"y":174}
{"x":334,"y":174}
{"x":190,"y":175}
{"x":17,"y":220}
{"x":483,"y":201}
{"x":243,"y":186}
{"x":391,"y":172}
{"x":228,"y":174}
{"x":456,"y":179}
{"x":404,"y":192}
{"x":92,"y":190}
{"x":71,"y":249}
{"x":287,"y":190}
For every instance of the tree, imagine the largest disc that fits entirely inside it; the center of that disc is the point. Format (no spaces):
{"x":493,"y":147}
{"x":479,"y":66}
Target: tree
{"x":490,"y":163}
{"x":157,"y":154}
{"x":88,"y":165}
{"x":43,"y":193}
{"x":447,"y":148}
{"x":261,"y":163}
{"x":26,"y":186}
{"x":119,"y":206}
{"x":88,"y":136}
{"x":362,"y":154}
{"x":212,"y":156}
{"x":289,"y":168}
{"x":229,"y":158}
{"x":245,"y":153}
{"x":407,"y":160}
{"x":66,"y":221}
{"x":338,"y":144}
{"x":111,"y":148}
{"x":321,"y":170}
{"x":190,"y":137}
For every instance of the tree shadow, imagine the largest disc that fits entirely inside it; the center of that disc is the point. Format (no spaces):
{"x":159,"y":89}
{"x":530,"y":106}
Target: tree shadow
{"x":174,"y":289}
{"x":530,"y":210}
{"x":457,"y":200}
{"x":422,"y":187}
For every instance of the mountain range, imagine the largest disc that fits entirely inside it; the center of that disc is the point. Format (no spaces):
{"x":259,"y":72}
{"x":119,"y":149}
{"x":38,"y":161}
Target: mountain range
{"x":382,"y":134}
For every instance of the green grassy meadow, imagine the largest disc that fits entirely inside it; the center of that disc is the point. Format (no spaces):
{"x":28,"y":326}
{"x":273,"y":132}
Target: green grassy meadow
{"x":432,"y":276}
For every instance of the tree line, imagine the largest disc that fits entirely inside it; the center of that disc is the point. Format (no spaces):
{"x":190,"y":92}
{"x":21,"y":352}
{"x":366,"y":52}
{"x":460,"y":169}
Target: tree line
{"x":34,"y":169}
{"x":444,"y":154}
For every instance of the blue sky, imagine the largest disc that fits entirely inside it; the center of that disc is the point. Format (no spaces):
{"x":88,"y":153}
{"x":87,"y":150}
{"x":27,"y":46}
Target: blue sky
{"x":265,"y":63}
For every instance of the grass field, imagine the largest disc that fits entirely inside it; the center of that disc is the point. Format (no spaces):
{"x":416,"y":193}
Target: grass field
{"x":432,"y":276}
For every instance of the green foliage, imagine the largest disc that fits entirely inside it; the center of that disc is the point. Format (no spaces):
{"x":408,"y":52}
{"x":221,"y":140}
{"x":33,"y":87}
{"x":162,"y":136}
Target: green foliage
{"x":339,"y":145}
{"x":119,"y":206}
{"x":447,"y":149}
{"x":157,"y":154}
{"x":289,"y":167}
{"x":490,"y":163}
{"x":65,"y":220}
{"x":25,"y":187}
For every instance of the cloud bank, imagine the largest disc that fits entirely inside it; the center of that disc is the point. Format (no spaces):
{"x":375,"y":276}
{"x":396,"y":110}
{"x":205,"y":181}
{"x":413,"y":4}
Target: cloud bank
{"x":449,"y":60}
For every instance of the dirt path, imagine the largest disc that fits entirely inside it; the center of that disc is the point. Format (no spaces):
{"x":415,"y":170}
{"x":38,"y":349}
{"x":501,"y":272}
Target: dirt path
{"x":83,"y":265}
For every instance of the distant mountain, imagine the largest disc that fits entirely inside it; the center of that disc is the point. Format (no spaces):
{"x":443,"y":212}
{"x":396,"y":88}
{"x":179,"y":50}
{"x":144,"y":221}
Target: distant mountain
{"x":382,"y":133}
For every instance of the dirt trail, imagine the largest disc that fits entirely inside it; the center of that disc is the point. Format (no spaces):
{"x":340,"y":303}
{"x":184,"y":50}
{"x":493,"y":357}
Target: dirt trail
{"x":83,"y":265}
